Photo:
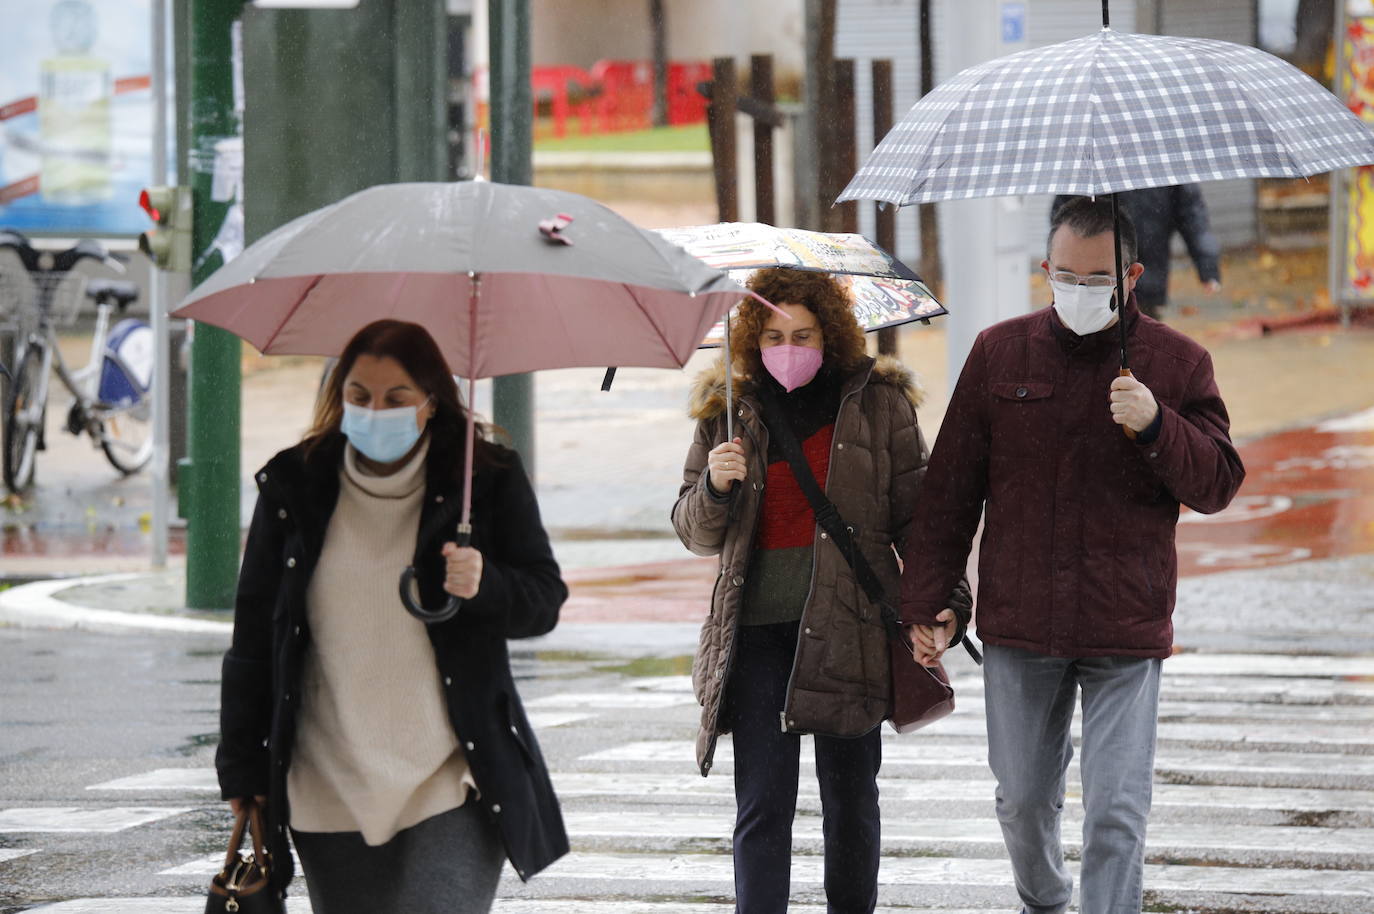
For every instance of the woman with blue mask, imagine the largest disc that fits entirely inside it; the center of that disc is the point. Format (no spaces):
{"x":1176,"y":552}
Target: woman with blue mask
{"x":396,"y":753}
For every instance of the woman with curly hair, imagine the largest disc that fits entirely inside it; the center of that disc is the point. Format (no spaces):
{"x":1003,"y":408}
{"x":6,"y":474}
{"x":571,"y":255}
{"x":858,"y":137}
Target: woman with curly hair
{"x":792,"y":645}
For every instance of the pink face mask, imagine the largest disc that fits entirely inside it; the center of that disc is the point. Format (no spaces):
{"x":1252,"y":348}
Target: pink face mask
{"x":792,"y":366}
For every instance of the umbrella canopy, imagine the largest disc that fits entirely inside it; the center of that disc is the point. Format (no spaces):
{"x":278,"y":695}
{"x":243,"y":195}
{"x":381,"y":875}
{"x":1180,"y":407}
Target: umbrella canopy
{"x":884,"y":290}
{"x":500,"y":293}
{"x":1109,"y":112}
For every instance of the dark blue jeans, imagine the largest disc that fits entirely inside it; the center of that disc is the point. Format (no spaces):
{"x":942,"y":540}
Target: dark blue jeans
{"x":767,"y":763}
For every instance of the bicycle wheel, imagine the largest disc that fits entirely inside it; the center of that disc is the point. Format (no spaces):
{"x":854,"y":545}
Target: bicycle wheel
{"x":24,"y":421}
{"x":126,"y":435}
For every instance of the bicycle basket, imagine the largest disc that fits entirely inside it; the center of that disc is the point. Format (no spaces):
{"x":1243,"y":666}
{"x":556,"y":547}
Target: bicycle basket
{"x":64,"y":293}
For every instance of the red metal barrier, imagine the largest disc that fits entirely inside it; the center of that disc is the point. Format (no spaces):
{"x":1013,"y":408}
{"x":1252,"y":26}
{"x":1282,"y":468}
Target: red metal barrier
{"x":617,"y":95}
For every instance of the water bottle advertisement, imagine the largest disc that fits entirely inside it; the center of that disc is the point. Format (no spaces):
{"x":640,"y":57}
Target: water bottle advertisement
{"x":76,"y":115}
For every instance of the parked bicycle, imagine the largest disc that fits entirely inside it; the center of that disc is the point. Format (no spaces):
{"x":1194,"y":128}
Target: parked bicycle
{"x":110,"y":394}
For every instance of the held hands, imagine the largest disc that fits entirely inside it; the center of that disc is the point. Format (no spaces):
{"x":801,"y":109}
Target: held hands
{"x":463,"y":570}
{"x":1132,"y":404}
{"x":929,"y":642}
{"x":726,"y":465}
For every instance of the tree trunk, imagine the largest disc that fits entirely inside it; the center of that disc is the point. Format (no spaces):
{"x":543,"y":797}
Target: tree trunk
{"x":931,"y":269}
{"x":658,"y":23}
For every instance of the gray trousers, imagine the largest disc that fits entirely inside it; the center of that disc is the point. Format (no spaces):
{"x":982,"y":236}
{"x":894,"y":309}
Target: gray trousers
{"x":447,"y":864}
{"x":1030,"y":704}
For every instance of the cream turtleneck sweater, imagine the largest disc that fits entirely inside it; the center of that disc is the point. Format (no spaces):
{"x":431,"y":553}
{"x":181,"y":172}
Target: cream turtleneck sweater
{"x":375,"y":751}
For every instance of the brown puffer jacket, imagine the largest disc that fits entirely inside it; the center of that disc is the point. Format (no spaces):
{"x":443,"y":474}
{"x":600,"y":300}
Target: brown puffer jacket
{"x":840,"y":681}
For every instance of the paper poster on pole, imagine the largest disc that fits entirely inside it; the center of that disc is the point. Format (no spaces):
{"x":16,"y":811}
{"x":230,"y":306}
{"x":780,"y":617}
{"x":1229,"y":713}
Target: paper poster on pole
{"x":76,"y":116}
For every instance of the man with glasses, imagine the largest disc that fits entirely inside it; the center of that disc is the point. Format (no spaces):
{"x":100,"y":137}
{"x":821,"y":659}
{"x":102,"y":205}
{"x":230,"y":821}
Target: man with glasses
{"x":1158,"y":213}
{"x":1077,"y":568}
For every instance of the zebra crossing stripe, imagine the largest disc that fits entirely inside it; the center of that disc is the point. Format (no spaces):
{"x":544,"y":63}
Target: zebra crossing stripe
{"x":905,"y":835}
{"x":1172,"y":802}
{"x":611,"y":700}
{"x":188,"y":779}
{"x":547,"y":720}
{"x":1274,"y":769}
{"x":14,"y":853}
{"x":76,"y":819}
{"x":715,"y":872}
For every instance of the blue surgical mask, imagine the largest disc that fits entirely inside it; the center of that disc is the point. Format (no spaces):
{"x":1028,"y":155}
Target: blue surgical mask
{"x":383,"y":435}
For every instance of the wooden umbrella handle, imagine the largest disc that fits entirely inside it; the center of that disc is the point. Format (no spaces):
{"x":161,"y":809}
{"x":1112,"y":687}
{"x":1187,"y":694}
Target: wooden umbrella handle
{"x":1130,"y":432}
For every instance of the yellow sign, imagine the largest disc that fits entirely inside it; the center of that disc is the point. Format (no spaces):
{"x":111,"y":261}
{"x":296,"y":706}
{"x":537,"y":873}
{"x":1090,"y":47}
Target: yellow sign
{"x":1357,"y":90}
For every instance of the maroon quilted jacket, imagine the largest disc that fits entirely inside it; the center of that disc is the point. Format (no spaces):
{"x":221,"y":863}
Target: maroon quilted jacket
{"x":1077,"y":556}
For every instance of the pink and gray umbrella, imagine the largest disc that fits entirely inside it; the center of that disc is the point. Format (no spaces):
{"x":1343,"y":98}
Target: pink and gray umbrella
{"x":507,"y":279}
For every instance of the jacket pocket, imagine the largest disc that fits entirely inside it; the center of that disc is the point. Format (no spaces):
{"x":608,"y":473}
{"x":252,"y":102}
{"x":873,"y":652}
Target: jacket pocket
{"x":707,"y":654}
{"x":1020,"y":417}
{"x":845,"y":634}
{"x":513,"y":726}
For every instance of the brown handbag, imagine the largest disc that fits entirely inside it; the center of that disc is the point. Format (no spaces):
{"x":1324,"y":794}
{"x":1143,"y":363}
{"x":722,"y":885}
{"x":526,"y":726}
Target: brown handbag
{"x":920,"y":695}
{"x":244,"y":886}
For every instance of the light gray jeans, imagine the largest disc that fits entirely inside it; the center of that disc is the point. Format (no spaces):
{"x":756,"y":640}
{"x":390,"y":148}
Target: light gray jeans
{"x":1030,"y":703}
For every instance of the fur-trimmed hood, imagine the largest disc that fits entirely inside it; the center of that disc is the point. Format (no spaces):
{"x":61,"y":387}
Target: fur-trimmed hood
{"x":707,"y":399}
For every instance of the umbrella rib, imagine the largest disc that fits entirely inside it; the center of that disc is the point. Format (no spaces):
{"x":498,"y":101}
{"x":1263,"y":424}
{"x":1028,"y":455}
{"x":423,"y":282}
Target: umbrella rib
{"x":292,"y":310}
{"x":629,"y":290}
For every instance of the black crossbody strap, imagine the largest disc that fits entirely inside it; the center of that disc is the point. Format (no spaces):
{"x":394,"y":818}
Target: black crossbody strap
{"x":828,"y":516}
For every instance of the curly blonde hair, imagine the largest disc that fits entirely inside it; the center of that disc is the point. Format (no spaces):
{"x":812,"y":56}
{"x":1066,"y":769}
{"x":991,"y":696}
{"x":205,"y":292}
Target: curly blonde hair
{"x":821,"y":294}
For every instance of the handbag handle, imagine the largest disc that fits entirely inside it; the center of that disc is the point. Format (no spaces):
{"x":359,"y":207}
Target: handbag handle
{"x":249,"y":819}
{"x":828,"y":516}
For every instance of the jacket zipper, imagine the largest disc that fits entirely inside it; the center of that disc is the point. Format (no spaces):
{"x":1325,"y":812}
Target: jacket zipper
{"x":734,"y":630}
{"x":815,"y":552}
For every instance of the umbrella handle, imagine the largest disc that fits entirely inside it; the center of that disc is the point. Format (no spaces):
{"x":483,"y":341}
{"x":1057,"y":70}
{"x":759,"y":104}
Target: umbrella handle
{"x":415,"y":607}
{"x":1130,"y":432}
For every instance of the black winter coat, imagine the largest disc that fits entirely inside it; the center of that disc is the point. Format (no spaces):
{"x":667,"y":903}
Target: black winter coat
{"x":519,"y":597}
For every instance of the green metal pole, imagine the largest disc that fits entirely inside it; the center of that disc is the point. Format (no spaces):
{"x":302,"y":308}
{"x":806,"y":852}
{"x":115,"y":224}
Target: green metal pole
{"x":212,"y":510}
{"x":512,"y":140}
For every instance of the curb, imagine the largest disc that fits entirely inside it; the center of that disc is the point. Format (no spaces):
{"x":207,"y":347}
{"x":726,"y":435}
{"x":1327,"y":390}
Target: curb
{"x":35,"y":606}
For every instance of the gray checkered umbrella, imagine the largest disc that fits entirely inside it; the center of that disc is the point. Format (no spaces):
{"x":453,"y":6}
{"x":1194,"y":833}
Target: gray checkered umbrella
{"x":1112,"y":111}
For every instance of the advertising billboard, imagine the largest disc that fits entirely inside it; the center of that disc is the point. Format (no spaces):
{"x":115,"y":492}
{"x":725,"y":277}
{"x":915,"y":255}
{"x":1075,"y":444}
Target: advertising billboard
{"x":76,"y":115}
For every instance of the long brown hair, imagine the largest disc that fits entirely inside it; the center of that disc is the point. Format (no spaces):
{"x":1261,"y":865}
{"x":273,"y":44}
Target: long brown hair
{"x":821,"y":294}
{"x":411,"y":346}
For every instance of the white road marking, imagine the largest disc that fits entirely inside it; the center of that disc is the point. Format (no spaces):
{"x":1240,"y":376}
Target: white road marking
{"x":75,"y":819}
{"x":165,"y":779}
{"x":14,"y":853}
{"x":612,"y":700}
{"x":717,"y":871}
{"x":543,"y":720}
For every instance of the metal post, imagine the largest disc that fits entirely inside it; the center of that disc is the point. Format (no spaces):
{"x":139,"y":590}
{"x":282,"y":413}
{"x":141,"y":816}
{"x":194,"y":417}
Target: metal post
{"x":157,"y":307}
{"x":512,"y":163}
{"x":212,"y":534}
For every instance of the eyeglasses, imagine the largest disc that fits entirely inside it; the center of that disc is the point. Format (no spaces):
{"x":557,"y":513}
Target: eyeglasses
{"x":1095,"y":281}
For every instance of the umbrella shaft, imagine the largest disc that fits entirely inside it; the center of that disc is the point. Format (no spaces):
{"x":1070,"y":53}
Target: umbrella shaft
{"x":1120,"y":280}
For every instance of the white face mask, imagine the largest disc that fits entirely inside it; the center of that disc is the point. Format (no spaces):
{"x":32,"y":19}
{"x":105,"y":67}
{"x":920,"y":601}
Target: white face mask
{"x":1083,"y":310}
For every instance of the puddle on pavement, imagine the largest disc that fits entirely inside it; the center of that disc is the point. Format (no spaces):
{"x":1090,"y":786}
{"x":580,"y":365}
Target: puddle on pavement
{"x":195,"y":744}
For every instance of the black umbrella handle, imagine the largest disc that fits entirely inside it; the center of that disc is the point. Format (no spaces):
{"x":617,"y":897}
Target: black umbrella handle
{"x":415,"y":607}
